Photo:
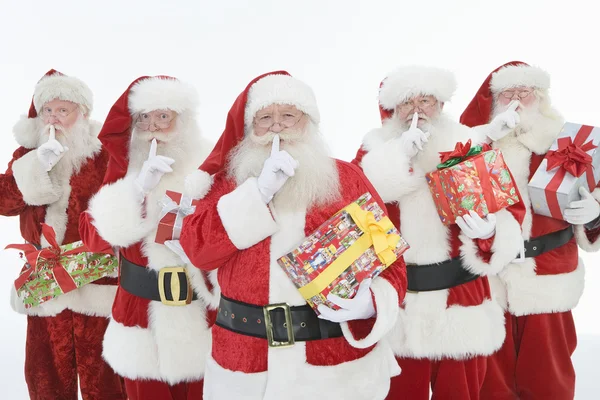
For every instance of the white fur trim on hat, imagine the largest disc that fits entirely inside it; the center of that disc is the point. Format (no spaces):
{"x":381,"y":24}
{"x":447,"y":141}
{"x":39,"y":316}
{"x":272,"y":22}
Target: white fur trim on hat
{"x":281,"y":89}
{"x":62,"y":87}
{"x":410,"y":81}
{"x":519,"y":75}
{"x":158,"y":93}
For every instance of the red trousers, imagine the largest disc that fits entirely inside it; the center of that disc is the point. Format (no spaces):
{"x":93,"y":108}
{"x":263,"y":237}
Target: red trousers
{"x":449,"y":379}
{"x":535,"y":360}
{"x":157,"y":390}
{"x":62,"y":348}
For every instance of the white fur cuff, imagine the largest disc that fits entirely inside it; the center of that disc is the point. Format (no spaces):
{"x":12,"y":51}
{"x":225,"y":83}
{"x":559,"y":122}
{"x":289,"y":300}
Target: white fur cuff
{"x":245,"y":216}
{"x":389,"y":170}
{"x":197,"y":184}
{"x":117,"y":213}
{"x":33,"y":182}
{"x":508,"y":242}
{"x":386,"y":298}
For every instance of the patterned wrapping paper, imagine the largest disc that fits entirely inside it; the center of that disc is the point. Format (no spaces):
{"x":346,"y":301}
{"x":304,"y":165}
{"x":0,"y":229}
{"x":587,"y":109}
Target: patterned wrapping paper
{"x":175,"y":207}
{"x":341,"y":253}
{"x":56,"y":270}
{"x":471,"y":179}
{"x":572,"y":161}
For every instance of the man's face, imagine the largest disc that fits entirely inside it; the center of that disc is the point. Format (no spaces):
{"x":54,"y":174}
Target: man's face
{"x":60,"y":113}
{"x":523,"y":94}
{"x":279,"y":118}
{"x":426,"y":106}
{"x":156,"y":124}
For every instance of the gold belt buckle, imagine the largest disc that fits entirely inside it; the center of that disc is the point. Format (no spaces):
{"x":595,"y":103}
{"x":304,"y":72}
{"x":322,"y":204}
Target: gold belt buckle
{"x":269,"y":325}
{"x":175,"y":286}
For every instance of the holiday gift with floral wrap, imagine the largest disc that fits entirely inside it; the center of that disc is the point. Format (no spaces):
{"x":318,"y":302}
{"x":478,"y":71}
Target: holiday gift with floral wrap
{"x":471,"y":178}
{"x":357,"y":243}
{"x":56,"y":270}
{"x":573,"y":161}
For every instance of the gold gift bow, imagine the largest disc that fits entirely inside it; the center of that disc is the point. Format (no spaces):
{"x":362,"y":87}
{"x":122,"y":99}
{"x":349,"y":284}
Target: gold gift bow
{"x":374,"y":234}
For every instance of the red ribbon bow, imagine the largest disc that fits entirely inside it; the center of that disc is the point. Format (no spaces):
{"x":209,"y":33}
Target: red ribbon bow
{"x":571,"y":157}
{"x":52,"y":256}
{"x":461,"y":151}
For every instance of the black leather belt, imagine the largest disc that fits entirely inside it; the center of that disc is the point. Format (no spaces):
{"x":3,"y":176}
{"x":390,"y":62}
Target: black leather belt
{"x":280,"y":324}
{"x":543,"y":244}
{"x":161,"y":286}
{"x":444,"y":275}
{"x":450,"y":273}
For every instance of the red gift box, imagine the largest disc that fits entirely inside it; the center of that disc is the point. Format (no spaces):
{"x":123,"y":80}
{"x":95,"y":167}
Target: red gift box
{"x":175,"y":207}
{"x":471,"y":178}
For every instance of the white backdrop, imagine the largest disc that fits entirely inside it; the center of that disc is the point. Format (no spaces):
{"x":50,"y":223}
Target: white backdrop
{"x":340,"y":48}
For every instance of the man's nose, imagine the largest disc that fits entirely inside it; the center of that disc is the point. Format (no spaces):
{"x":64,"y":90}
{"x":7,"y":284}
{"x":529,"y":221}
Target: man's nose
{"x":52,"y":119}
{"x":152,"y":127}
{"x":277,"y":127}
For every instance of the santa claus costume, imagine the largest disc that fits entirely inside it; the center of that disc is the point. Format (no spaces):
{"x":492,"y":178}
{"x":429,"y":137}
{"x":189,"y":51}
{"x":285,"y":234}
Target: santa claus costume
{"x":448,"y":322}
{"x":158,"y":346}
{"x":538,"y":293}
{"x":64,"y":335}
{"x":237,"y":231}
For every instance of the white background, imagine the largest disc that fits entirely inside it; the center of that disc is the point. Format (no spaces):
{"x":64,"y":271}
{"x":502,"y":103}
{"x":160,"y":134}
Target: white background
{"x":340,"y":48}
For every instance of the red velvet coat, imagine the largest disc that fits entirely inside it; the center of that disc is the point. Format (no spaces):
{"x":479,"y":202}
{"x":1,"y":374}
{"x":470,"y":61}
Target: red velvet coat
{"x":234,"y":231}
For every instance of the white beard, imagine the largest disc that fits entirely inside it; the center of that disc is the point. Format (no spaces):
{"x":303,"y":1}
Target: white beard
{"x":316,"y":181}
{"x":183,"y":145}
{"x":444,"y":133}
{"x":82,"y":141}
{"x":537,"y":129}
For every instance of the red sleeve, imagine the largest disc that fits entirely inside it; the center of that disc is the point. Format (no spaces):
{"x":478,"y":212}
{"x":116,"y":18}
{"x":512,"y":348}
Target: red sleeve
{"x":359,"y":156}
{"x":90,"y":236}
{"x":11,"y":202}
{"x":203,"y":236}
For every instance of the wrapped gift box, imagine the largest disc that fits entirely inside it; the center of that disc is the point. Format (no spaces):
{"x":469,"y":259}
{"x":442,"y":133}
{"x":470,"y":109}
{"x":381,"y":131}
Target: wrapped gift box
{"x":471,"y":179}
{"x":572,"y":161}
{"x":56,"y":270}
{"x":175,"y":207}
{"x":355,"y":244}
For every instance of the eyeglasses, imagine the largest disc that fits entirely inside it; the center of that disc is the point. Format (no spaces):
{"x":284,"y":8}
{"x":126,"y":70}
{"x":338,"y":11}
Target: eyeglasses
{"x":423,"y":104}
{"x":61,"y":112}
{"x":286,"y":120}
{"x":164,"y":120}
{"x":521,"y":93}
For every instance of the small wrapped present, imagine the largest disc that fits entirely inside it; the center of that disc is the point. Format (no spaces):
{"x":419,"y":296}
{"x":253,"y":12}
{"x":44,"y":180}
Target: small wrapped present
{"x":471,"y":178}
{"x":572,"y":161}
{"x":175,"y":207}
{"x":56,"y":270}
{"x":355,"y":244}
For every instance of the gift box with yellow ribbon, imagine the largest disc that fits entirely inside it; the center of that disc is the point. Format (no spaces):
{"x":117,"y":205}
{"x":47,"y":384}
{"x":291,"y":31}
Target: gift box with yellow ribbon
{"x":56,"y":270}
{"x":355,"y":244}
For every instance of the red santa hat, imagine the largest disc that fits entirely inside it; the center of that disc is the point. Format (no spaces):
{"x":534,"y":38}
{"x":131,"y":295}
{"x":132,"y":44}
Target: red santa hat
{"x":410,"y":81}
{"x":509,"y":75}
{"x":53,"y":85}
{"x":277,"y":87}
{"x":145,"y":94}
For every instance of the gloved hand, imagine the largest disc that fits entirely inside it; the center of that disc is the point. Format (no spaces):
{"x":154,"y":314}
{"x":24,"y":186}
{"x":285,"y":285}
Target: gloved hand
{"x":411,"y":141}
{"x":51,"y":152}
{"x":359,"y":307}
{"x":582,"y":211}
{"x":476,"y":227}
{"x":175,"y":247}
{"x":276,"y":171}
{"x":152,"y":170}
{"x":504,"y":122}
